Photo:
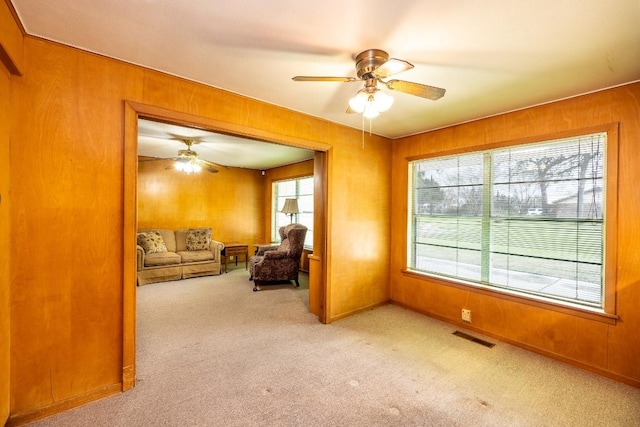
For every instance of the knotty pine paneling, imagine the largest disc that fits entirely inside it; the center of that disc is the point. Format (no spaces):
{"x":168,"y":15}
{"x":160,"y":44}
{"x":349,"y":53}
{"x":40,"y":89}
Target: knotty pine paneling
{"x":230,"y":201}
{"x":608,"y":349}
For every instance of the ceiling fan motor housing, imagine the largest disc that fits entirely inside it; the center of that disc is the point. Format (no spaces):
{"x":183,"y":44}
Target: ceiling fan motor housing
{"x":188,"y":154}
{"x":368,"y":61}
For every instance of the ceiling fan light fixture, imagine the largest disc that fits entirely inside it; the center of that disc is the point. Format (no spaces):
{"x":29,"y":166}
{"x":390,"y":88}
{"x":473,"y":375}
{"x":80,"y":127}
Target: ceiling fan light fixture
{"x":382,"y":101}
{"x":187,"y":166}
{"x":371,"y":103}
{"x":374,"y":66}
{"x":359,"y":102}
{"x":370,"y":110}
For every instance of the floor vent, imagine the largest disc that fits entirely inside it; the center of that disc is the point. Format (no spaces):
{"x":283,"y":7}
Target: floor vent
{"x":474,"y":339}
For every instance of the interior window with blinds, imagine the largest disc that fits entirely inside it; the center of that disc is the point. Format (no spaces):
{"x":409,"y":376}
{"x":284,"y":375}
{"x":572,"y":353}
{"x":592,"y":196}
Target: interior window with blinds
{"x":528,"y":219}
{"x":302,"y":190}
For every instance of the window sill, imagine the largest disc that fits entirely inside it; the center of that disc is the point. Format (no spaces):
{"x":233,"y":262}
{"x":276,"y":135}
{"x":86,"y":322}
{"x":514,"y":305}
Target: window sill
{"x":574,"y":310}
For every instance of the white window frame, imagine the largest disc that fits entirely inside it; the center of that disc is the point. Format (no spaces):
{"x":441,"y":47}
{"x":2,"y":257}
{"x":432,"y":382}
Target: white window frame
{"x":609,"y":241}
{"x":305,"y":205}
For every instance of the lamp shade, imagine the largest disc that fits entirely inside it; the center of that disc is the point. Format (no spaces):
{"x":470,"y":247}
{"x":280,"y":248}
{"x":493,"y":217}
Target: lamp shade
{"x":290,"y":207}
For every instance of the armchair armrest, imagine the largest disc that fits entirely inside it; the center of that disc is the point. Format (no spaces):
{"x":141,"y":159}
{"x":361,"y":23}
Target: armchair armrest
{"x":270,"y":255}
{"x":216,"y":247}
{"x":261,"y":249}
{"x":140,"y":257}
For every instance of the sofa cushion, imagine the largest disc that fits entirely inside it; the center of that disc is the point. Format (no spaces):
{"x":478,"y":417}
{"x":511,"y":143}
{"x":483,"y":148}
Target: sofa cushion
{"x":181,"y":239}
{"x":198,"y":239}
{"x":152,"y":242}
{"x":195,"y":256}
{"x":169,"y":239}
{"x":167,"y":235}
{"x":161,"y":258}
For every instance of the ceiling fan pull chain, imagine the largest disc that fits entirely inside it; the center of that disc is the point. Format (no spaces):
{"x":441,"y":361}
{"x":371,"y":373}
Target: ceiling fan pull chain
{"x":362,"y":132}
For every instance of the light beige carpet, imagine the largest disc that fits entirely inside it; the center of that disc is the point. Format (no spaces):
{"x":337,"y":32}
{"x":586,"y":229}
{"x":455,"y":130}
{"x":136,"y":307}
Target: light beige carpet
{"x":213,"y":353}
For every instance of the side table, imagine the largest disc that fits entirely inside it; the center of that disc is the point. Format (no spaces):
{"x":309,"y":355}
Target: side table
{"x":235,"y":249}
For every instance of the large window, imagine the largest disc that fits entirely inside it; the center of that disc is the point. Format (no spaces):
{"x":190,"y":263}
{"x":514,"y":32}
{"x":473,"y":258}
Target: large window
{"x":302,"y":190}
{"x":527,"y":219}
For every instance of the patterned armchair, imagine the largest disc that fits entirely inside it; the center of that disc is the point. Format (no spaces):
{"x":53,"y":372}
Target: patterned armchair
{"x":279,"y":263}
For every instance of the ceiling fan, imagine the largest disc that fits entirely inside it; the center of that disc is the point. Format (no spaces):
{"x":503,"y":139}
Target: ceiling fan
{"x":189,"y":161}
{"x":372,"y":66}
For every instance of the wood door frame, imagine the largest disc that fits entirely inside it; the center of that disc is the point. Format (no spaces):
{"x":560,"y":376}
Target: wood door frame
{"x":132,"y":112}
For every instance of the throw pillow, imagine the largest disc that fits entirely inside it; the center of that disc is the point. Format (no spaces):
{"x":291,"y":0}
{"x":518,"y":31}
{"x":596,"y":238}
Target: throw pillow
{"x":198,"y":239}
{"x":152,"y":242}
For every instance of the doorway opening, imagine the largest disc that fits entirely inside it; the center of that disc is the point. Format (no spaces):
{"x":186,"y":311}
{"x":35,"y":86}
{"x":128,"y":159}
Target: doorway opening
{"x":133,"y":113}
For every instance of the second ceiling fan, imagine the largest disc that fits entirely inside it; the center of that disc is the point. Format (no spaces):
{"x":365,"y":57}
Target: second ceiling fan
{"x":372,"y":66}
{"x":187,"y":160}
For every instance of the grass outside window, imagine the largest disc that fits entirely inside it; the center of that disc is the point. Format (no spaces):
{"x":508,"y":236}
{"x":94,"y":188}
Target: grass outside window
{"x":530,"y":219}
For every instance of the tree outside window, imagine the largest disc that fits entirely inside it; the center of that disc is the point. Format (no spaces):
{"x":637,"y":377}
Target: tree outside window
{"x":528,"y":218}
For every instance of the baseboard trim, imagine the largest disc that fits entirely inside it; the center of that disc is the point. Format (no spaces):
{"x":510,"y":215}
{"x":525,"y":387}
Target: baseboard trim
{"x":360,"y":310}
{"x":64,"y":405}
{"x":575,"y":363}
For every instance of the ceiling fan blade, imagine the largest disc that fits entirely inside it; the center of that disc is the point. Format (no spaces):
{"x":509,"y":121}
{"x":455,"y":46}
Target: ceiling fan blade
{"x":390,"y":67}
{"x":417,"y":89}
{"x":324,"y":79}
{"x":149,"y":159}
{"x":207,"y":165}
{"x":212,"y":167}
{"x":154,"y":159}
{"x":349,"y":110}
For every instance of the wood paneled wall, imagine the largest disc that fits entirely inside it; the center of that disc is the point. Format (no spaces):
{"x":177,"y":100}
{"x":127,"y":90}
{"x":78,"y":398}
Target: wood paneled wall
{"x":70,"y":198}
{"x":4,"y":243}
{"x":358,"y":183}
{"x":66,"y":231}
{"x":68,"y":203}
{"x":230,"y":201}
{"x":235,"y":202}
{"x":612,"y":350}
{"x":11,"y":41}
{"x":10,"y":65}
{"x":360,"y":195}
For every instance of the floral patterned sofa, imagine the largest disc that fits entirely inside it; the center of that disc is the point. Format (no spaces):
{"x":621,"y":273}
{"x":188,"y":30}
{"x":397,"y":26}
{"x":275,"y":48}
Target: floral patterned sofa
{"x":164,"y":255}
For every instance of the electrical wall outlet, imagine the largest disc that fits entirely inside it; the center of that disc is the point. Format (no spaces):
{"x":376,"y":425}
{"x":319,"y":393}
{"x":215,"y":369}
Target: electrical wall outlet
{"x":466,"y":315}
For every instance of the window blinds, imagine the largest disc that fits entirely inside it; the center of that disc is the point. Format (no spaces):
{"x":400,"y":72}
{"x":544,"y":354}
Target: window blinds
{"x":527,"y":218}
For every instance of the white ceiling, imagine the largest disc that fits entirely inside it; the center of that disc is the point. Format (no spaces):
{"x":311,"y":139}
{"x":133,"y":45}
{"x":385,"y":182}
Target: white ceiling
{"x":163,"y":140}
{"x":491,"y":56}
